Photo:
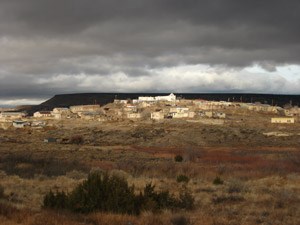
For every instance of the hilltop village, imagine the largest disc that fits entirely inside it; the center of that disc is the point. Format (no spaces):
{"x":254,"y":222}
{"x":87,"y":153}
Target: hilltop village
{"x":156,"y":108}
{"x":235,"y":158}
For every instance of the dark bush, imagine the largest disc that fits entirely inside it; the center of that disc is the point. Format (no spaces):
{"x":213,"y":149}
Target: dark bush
{"x":77,"y":140}
{"x":227,"y":198}
{"x":155,"y":201}
{"x":180,"y":220}
{"x":182,"y":178}
{"x":186,"y":200}
{"x":55,"y":201}
{"x":101,"y":192}
{"x":218,"y":181}
{"x":1,"y":191}
{"x":31,"y":165}
{"x":8,"y":211}
{"x":178,"y":158}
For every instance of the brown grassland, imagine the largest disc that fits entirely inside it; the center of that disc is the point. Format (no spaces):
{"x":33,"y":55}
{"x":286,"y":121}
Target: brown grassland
{"x":260,"y":172}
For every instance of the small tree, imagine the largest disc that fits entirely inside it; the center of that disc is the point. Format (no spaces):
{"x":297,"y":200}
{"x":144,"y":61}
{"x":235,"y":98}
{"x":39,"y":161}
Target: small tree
{"x":178,"y":158}
{"x":218,"y":181}
{"x":101,"y":192}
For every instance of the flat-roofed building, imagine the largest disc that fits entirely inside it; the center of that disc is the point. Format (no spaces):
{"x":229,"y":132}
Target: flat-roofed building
{"x":179,"y":110}
{"x":134,"y":115}
{"x":61,"y":110}
{"x":20,"y":123}
{"x":42,"y":114}
{"x":8,"y":116}
{"x":169,"y":98}
{"x":157,"y":115}
{"x":295,"y":111}
{"x":84,"y":108}
{"x":283,"y":120}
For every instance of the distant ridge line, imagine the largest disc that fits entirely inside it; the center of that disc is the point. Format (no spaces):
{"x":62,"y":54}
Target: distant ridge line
{"x":66,"y":100}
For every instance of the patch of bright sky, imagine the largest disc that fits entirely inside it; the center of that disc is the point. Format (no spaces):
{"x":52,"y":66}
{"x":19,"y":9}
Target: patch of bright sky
{"x":289,"y":72}
{"x":16,"y":102}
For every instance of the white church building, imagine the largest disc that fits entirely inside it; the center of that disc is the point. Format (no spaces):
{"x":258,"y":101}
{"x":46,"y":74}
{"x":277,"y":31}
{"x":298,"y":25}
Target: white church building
{"x":169,"y":98}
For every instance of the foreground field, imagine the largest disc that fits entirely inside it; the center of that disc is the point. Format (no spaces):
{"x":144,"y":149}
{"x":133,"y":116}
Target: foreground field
{"x":258,"y":170}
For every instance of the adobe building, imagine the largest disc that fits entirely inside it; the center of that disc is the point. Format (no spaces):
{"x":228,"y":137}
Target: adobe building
{"x":84,"y":108}
{"x":283,"y":120}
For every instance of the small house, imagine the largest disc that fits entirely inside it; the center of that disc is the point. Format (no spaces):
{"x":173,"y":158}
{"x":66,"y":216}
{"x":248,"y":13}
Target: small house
{"x":50,"y":140}
{"x":191,"y":114}
{"x":283,"y":120}
{"x":59,"y":113}
{"x":20,"y":123}
{"x":42,"y":114}
{"x":157,"y":115}
{"x":144,"y":104}
{"x":38,"y":123}
{"x":169,"y":98}
{"x":146,"y":99}
{"x":121,"y":101}
{"x":179,"y":115}
{"x":8,"y":116}
{"x":84,"y":108}
{"x":130,"y":108}
{"x":89,"y":115}
{"x":179,"y":110}
{"x":295,"y":111}
{"x":61,"y":110}
{"x":134,"y":115}
{"x":209,"y":114}
{"x":220,"y":115}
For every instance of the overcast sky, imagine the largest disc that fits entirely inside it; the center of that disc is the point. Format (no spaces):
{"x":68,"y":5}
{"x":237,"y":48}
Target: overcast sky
{"x":51,"y":47}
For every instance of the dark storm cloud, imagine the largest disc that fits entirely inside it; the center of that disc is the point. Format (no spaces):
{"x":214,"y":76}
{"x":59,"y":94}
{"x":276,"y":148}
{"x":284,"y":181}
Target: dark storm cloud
{"x":228,"y":24}
{"x":42,"y":40}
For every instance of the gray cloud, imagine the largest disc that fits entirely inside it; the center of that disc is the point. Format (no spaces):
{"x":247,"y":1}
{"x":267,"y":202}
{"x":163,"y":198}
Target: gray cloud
{"x":43,"y":40}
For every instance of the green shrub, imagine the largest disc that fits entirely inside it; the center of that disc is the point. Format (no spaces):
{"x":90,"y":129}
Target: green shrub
{"x":182,"y":178}
{"x":178,"y":158}
{"x":101,"y":192}
{"x":218,"y":181}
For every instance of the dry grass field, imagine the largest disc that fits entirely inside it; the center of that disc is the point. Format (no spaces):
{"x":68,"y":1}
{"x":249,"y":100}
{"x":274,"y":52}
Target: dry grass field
{"x":259,"y":174}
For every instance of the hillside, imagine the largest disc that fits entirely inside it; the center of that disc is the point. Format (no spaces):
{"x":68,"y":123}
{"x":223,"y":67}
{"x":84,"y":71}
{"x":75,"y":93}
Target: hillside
{"x":66,"y":100}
